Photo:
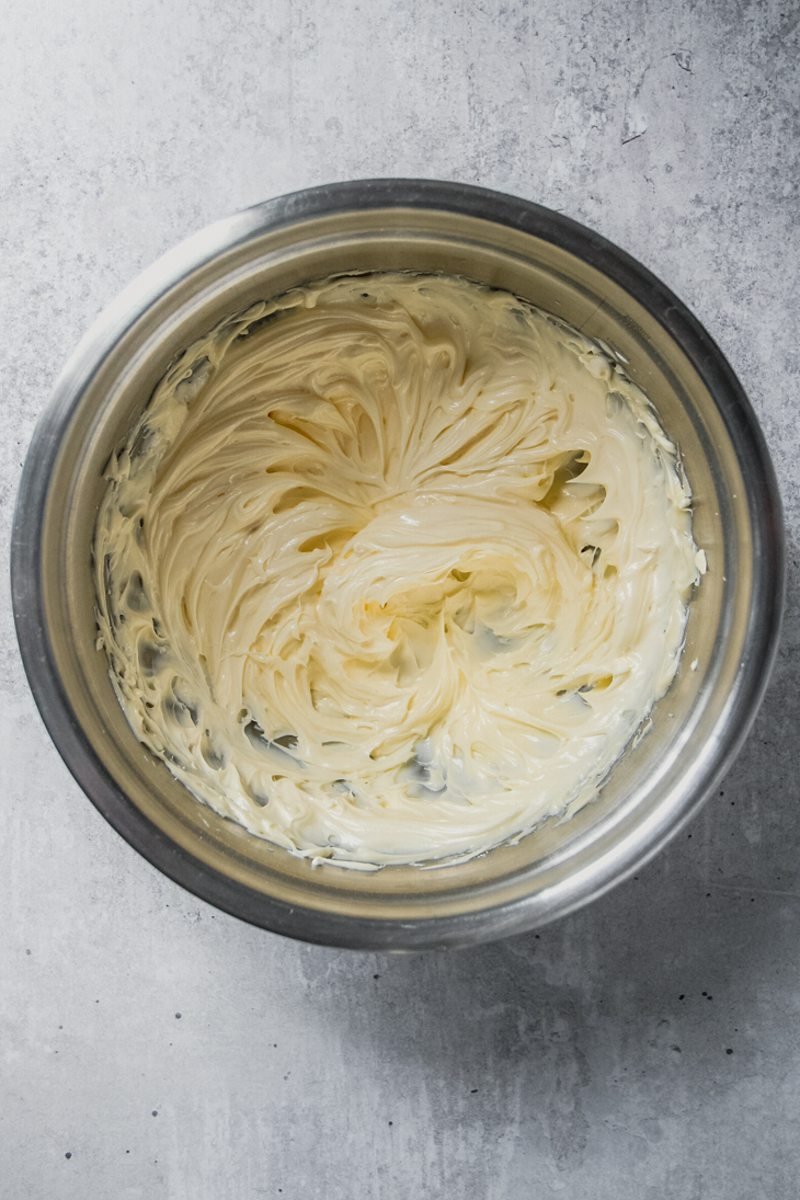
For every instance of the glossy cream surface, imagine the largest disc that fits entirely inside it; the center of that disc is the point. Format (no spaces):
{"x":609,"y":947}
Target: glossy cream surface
{"x":392,"y":568}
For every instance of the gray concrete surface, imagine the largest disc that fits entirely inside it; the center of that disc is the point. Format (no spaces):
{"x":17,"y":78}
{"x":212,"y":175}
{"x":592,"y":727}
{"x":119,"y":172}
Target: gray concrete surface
{"x":642,"y":1049}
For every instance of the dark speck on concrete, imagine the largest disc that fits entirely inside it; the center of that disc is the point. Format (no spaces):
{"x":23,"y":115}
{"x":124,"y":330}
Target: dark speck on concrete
{"x":376,"y":976}
{"x":473,"y":1091}
{"x":729,"y":1050}
{"x":682,"y":996}
{"x":154,"y":1113}
{"x":28,"y":952}
{"x":68,"y":1154}
{"x":178,"y":1016}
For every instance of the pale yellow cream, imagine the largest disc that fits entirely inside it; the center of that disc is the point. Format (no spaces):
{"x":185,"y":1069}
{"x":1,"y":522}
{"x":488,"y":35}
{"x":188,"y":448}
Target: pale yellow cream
{"x":392,"y":568}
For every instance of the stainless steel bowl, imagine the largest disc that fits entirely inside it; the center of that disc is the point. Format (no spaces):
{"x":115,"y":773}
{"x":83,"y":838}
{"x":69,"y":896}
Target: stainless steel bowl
{"x":561,"y":266}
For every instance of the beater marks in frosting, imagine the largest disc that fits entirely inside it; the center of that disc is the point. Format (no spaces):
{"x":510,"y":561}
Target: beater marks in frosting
{"x":392,"y":568}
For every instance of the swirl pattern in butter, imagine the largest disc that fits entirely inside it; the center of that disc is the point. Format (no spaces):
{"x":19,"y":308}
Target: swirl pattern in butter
{"x":392,"y":568}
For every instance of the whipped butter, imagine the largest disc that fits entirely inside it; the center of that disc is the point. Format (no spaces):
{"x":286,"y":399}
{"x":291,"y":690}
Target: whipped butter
{"x":392,"y":568}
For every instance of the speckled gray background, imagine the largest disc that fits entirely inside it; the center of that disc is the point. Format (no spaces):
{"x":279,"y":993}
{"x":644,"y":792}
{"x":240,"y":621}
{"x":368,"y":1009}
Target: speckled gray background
{"x":643,"y":1049}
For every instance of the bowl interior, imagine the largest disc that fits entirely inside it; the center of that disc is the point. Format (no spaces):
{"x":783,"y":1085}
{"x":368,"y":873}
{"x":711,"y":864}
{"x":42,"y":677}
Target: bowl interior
{"x":110,"y":381}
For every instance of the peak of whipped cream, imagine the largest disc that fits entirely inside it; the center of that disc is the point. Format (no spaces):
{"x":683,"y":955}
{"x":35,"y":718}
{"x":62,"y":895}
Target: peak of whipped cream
{"x":392,"y":568}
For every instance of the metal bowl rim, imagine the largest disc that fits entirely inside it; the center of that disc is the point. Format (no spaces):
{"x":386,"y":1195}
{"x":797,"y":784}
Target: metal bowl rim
{"x":310,"y":924}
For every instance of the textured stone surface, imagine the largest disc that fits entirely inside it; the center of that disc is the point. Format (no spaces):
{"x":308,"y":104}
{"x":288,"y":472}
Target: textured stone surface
{"x":642,"y":1049}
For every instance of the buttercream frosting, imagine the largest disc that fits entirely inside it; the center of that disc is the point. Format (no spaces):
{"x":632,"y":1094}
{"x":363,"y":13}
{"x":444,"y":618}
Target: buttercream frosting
{"x":393,"y":567}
